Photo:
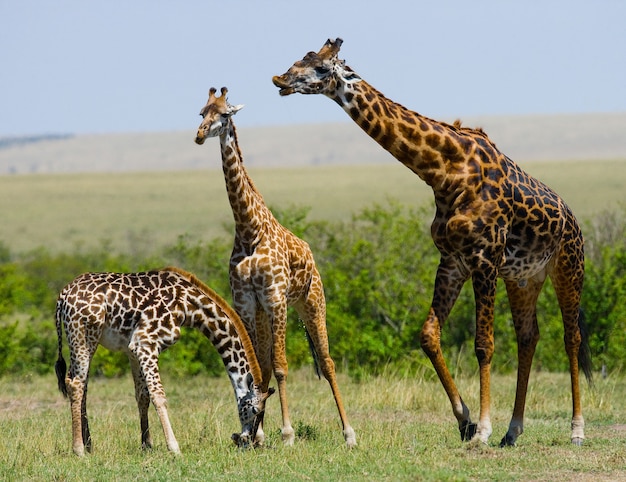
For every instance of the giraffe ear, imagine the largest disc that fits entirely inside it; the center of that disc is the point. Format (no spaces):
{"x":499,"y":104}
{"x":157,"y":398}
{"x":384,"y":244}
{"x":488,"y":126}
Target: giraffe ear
{"x":235,"y":108}
{"x":249,"y":381}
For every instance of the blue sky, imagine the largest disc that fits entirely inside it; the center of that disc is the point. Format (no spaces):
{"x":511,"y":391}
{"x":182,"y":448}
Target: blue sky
{"x":79,"y":66}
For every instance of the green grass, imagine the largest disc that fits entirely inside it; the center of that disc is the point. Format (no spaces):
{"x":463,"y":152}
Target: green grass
{"x":405,"y":431}
{"x":142,"y":210}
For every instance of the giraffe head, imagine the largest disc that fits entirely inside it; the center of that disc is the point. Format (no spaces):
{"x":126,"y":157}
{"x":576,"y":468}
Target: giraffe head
{"x":216,"y":115}
{"x":251,"y":408}
{"x":317,"y":73}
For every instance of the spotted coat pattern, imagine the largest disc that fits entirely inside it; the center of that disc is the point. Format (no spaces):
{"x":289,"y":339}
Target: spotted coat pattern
{"x":141,"y":314}
{"x":270,"y":269}
{"x":492,"y":220}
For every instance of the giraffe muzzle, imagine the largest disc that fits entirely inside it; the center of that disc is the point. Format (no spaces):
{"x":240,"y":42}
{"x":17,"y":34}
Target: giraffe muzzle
{"x":283,"y":85}
{"x":241,"y":440}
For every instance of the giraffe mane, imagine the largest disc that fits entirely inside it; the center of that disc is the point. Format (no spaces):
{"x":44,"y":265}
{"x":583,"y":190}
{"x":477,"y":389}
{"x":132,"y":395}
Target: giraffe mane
{"x":255,"y":368}
{"x":475,"y":130}
{"x":456,"y":125}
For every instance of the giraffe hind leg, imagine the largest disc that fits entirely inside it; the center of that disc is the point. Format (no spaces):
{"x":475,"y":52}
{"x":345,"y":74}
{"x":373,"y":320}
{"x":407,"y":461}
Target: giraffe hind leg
{"x":76,"y":385}
{"x":315,"y":325}
{"x":316,"y":360}
{"x":75,"y":390}
{"x":567,"y":279}
{"x":85,"y":422}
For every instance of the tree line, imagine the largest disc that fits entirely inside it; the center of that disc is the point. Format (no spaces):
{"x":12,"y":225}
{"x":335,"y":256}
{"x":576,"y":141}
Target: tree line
{"x":378,"y":270}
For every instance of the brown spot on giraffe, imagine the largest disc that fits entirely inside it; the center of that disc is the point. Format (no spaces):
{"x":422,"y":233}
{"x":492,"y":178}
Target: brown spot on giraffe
{"x":492,"y":220}
{"x":270,"y":269}
{"x":141,"y":315}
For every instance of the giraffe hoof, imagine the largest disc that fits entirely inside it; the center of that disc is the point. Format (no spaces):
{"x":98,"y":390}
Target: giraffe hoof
{"x":288,"y":436}
{"x":468,"y":430}
{"x":578,"y":441}
{"x":79,"y":451}
{"x":507,"y":441}
{"x":350,"y":437}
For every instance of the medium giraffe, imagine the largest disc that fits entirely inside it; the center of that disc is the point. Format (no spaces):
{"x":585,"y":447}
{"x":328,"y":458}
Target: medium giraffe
{"x":141,"y":314}
{"x":270,"y":269}
{"x":492,"y":220}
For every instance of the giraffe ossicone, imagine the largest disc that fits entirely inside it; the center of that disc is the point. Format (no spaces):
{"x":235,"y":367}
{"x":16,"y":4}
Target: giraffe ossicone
{"x":141,"y":314}
{"x":270,"y":269}
{"x":493,"y":220}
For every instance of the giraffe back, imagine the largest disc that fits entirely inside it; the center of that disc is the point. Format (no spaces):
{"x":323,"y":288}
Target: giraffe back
{"x":111,"y":308}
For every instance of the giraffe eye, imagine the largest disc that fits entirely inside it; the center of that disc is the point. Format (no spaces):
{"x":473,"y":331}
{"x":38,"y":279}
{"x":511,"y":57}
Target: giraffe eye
{"x":322,"y":70}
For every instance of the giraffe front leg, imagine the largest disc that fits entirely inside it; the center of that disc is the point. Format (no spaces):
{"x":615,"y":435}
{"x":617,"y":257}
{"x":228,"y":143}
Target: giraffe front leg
{"x":143,"y":402}
{"x":278,"y":323}
{"x":430,"y":341}
{"x":147,"y":358}
{"x":160,"y":403}
{"x":280,"y":372}
{"x":523,"y":302}
{"x":261,"y":335}
{"x":448,"y":284}
{"x":484,"y":284}
{"x":287,"y":432}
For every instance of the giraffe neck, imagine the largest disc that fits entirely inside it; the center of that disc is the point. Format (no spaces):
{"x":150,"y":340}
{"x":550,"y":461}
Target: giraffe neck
{"x":223,"y":327}
{"x":432,"y":150}
{"x":246,"y":202}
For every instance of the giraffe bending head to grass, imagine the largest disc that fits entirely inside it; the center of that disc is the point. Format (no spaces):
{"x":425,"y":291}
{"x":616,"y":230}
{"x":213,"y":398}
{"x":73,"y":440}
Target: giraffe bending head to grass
{"x":492,"y":220}
{"x":142,"y":314}
{"x":270,"y":269}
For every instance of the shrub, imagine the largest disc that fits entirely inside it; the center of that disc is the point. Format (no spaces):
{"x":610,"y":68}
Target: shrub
{"x":378,"y":271}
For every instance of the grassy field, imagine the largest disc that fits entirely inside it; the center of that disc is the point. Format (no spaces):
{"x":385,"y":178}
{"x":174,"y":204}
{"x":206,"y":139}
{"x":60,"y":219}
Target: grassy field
{"x":405,"y":431}
{"x":139,"y":210}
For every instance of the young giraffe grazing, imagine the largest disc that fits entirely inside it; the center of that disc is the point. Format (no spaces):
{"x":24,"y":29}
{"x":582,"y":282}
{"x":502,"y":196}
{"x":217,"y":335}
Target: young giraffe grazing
{"x":492,"y":220}
{"x":270,"y":269}
{"x":141,"y":314}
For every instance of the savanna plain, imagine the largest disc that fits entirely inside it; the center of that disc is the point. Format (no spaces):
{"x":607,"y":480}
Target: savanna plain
{"x":404,"y":424}
{"x":144,"y":210}
{"x":405,"y":431}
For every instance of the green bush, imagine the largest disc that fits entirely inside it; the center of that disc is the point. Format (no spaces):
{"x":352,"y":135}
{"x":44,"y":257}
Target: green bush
{"x":605,"y":289}
{"x":27,"y":347}
{"x":378,"y":271}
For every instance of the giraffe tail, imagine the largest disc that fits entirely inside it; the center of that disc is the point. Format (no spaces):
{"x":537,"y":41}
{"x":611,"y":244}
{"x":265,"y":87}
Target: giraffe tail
{"x":316,"y":359}
{"x":584,"y":352}
{"x":60,"y":367}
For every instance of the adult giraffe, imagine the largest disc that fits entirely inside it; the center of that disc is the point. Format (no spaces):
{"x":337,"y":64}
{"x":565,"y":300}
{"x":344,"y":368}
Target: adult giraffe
{"x":492,"y":220}
{"x":270,"y":269}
